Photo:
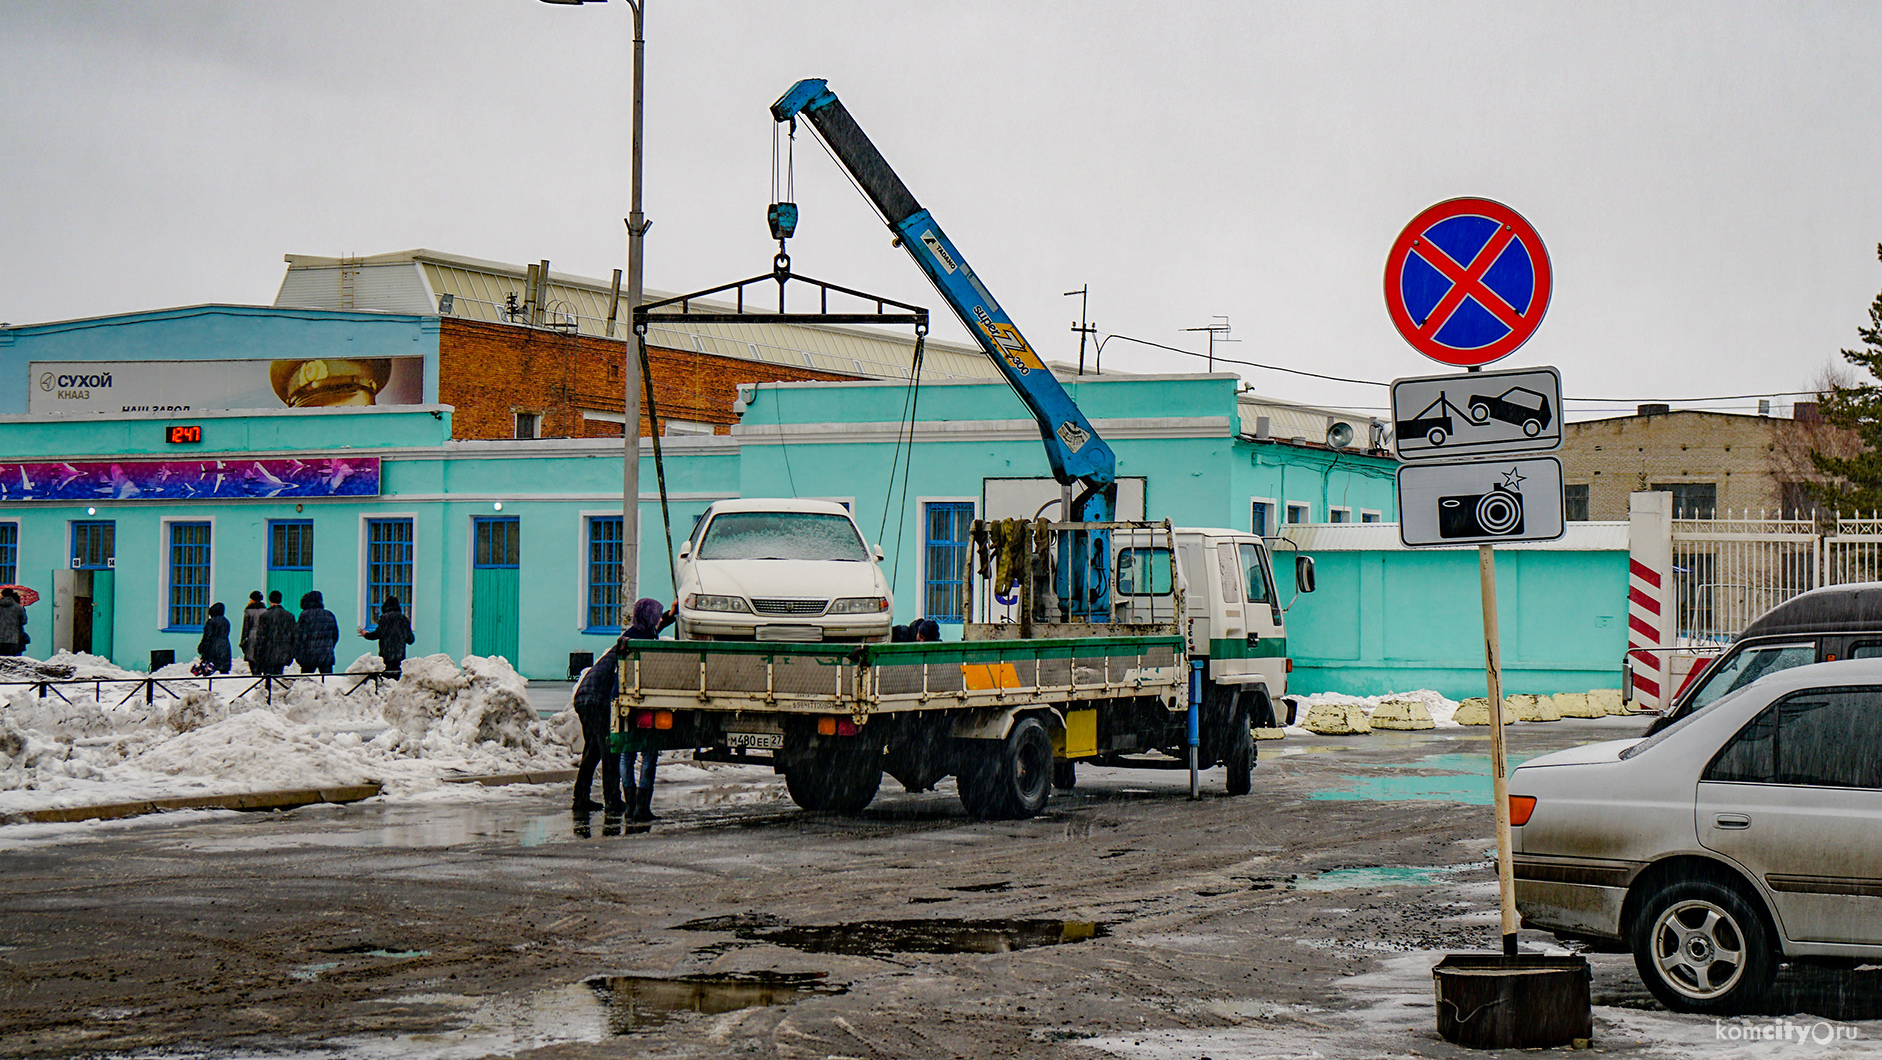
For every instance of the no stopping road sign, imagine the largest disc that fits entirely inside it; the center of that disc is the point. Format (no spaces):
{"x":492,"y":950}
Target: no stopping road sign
{"x":1467,"y":282}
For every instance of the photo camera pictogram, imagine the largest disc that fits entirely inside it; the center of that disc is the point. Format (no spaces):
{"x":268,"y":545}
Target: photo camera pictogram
{"x":1497,"y":513}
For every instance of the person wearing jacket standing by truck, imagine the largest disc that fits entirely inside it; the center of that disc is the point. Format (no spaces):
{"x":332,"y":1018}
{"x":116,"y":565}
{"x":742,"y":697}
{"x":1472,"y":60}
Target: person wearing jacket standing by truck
{"x":393,"y":633}
{"x":649,"y":620}
{"x":593,"y":702}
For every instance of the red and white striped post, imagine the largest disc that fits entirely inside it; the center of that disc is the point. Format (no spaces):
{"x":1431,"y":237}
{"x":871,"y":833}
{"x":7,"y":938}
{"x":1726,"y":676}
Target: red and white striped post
{"x":1650,"y":617}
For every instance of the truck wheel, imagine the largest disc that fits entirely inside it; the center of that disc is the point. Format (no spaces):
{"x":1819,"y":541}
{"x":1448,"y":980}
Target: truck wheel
{"x":1010,"y":778}
{"x":838,"y":780}
{"x":1065,"y":774}
{"x":1238,"y":753}
{"x":1701,"y":947}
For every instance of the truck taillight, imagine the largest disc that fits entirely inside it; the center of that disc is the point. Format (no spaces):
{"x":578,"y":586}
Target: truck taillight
{"x":663,"y":719}
{"x":1290,"y":666}
{"x":643,"y":719}
{"x":836,"y":727}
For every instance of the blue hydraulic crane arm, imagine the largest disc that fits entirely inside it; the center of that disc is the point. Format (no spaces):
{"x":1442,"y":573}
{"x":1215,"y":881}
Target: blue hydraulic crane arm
{"x":1073,"y":447}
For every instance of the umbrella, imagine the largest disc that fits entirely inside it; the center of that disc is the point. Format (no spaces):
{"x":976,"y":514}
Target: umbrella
{"x":27,"y":596}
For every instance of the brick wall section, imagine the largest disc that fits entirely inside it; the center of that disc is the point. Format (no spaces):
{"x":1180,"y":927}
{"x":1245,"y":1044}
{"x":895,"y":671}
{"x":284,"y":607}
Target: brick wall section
{"x":489,"y":372}
{"x":1616,"y":457}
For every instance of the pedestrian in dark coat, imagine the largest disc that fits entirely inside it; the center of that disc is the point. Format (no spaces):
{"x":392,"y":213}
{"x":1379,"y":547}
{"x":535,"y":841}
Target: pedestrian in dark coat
{"x":635,"y":744}
{"x":214,"y":647}
{"x":319,"y":632}
{"x":276,"y":636}
{"x":593,"y":703}
{"x":249,"y":614}
{"x":13,"y":638}
{"x":393,"y":633}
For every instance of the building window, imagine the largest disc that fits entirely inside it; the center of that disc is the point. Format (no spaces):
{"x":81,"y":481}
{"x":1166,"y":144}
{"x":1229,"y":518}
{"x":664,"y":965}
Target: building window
{"x":527,"y":424}
{"x":949,"y":592}
{"x":498,"y":542}
{"x":1692,"y":500}
{"x":189,"y":575}
{"x":94,"y":545}
{"x":1261,"y":518}
{"x":1296,"y":513}
{"x":1369,"y":516}
{"x":684,"y":428}
{"x":604,"y":574}
{"x":1575,"y":503}
{"x":388,"y":564}
{"x":291,"y":545}
{"x":1339,"y":515}
{"x":9,"y":553}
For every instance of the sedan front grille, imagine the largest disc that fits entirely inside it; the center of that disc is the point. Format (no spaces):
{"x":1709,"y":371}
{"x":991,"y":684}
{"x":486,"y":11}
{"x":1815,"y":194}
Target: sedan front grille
{"x":789,"y":607}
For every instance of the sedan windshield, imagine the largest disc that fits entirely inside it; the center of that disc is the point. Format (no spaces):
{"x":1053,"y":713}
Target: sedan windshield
{"x":782,"y":535}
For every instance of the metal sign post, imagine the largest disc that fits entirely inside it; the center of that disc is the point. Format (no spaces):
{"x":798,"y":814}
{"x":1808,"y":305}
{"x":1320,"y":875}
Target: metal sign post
{"x":1466,"y":283}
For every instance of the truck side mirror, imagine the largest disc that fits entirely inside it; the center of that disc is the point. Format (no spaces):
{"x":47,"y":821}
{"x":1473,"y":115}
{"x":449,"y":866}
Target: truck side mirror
{"x":1303,"y":574}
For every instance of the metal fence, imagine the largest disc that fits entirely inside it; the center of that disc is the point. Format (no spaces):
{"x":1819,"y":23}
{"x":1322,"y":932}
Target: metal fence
{"x":1731,"y":569}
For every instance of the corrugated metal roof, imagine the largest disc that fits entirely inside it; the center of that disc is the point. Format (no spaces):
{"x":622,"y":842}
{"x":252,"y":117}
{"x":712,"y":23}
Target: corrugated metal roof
{"x":1383,"y":537}
{"x":1288,"y":421}
{"x":412,"y":281}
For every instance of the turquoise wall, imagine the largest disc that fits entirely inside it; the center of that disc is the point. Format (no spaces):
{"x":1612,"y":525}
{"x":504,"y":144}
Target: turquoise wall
{"x":1402,"y":619}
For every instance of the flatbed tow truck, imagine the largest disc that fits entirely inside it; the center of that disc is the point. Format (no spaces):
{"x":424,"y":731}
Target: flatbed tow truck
{"x":1074,"y":671}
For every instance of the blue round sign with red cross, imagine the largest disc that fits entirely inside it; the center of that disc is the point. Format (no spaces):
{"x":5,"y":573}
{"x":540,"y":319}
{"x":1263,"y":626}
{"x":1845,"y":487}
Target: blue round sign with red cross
{"x":1467,"y":282}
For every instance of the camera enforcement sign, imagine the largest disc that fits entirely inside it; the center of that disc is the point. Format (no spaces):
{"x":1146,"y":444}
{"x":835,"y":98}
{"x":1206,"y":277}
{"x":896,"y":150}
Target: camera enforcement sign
{"x":1483,"y":502}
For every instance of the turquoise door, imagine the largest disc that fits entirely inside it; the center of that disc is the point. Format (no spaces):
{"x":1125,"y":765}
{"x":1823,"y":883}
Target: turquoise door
{"x":496,"y":551}
{"x":290,"y":561}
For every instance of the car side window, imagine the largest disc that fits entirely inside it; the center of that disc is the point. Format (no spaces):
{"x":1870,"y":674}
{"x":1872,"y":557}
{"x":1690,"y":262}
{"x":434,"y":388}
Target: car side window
{"x":1747,"y":666}
{"x":1824,"y":738}
{"x":1866,"y":649}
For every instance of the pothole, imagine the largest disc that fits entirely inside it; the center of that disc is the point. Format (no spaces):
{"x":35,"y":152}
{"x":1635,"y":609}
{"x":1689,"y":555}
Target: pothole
{"x":1383,"y":876}
{"x":638,"y":1002}
{"x":886,"y":938}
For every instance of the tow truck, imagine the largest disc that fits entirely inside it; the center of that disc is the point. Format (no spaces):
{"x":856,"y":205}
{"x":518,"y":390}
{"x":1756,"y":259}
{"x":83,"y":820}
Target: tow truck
{"x":1166,"y":672}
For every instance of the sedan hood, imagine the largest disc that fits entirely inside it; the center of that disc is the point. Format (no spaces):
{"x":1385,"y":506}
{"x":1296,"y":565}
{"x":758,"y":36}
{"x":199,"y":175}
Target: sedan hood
{"x":1607,"y":751}
{"x":818,"y":579}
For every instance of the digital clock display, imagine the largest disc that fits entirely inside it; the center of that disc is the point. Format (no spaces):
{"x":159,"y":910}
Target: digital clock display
{"x":185,"y":435}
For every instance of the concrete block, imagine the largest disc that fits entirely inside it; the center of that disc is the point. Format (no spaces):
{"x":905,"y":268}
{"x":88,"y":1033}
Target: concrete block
{"x":1577,"y":705}
{"x":1336,"y":719}
{"x":1400,"y":714}
{"x":1270,"y":734}
{"x":1525,"y":707}
{"x":1476,"y":711}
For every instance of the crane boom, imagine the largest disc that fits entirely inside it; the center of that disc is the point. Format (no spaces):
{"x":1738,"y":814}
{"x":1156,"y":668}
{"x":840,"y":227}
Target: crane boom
{"x":1074,"y":449}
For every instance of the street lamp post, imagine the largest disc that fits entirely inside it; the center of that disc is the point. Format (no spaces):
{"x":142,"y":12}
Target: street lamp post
{"x":637,"y":225}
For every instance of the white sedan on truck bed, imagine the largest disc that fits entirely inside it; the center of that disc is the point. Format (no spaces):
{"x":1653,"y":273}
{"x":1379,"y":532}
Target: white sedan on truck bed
{"x":1747,"y":834}
{"x":781,"y":570}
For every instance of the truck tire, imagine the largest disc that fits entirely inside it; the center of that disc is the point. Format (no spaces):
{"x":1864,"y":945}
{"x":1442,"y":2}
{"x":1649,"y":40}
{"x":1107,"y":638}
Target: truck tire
{"x":839,"y":780}
{"x":1065,"y":774}
{"x":1011,"y":778}
{"x":1238,"y":752}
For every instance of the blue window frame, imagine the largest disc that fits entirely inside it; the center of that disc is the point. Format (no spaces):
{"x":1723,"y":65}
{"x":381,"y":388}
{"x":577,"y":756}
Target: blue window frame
{"x":9,"y":552}
{"x":388,"y":564}
{"x":1260,"y":518}
{"x":949,"y":593}
{"x":604,"y":574}
{"x":498,"y":541}
{"x":94,"y":545}
{"x":291,"y":544}
{"x":189,"y":575}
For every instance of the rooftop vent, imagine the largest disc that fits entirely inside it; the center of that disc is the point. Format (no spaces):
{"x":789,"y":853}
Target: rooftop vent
{"x":1654,"y":409}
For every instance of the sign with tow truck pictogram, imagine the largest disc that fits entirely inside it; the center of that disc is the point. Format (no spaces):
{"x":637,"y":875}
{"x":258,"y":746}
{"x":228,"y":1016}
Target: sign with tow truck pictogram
{"x":1477,"y":414}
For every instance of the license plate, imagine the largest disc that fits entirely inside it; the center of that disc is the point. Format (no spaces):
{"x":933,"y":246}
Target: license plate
{"x":764,"y":741}
{"x":789,"y":634}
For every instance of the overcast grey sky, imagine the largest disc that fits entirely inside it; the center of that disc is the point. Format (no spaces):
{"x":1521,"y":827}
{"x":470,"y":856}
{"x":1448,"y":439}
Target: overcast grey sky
{"x":1707,"y":176}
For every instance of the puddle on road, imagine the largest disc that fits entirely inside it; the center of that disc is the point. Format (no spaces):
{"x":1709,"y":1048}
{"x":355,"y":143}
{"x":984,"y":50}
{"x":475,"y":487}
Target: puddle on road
{"x":638,"y":1002}
{"x":1463,"y":778}
{"x":887,"y":938}
{"x":1383,"y":876}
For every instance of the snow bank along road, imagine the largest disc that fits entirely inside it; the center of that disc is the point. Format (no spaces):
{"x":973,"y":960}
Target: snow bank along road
{"x":1125,"y":922}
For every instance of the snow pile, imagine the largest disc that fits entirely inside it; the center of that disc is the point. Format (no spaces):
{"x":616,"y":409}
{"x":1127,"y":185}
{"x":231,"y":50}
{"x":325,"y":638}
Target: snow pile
{"x":1441,"y":709}
{"x":440,"y":719}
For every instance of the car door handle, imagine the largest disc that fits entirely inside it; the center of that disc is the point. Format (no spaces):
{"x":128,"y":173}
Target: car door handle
{"x":1732,"y":820}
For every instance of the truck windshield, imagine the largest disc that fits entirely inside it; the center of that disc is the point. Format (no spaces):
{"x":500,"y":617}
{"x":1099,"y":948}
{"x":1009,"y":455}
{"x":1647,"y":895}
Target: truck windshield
{"x":1143,"y":571}
{"x":782,"y":535}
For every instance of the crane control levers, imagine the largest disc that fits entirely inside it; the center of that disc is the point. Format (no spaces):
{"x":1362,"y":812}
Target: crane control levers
{"x":1079,"y":458}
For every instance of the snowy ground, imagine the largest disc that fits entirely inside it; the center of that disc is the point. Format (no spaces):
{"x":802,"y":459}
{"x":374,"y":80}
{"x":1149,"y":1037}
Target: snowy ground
{"x":101,"y":743}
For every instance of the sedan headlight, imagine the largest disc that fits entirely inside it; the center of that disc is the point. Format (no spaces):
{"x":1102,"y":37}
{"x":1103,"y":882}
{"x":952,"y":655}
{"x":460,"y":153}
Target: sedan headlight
{"x":703,"y":602}
{"x":860,"y":605}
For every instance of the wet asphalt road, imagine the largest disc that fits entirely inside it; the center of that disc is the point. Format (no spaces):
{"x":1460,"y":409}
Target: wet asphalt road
{"x":1125,"y":921}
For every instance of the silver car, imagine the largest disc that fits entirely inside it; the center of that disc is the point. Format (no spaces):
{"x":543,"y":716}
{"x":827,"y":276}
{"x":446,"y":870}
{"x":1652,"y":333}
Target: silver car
{"x":1747,"y":834}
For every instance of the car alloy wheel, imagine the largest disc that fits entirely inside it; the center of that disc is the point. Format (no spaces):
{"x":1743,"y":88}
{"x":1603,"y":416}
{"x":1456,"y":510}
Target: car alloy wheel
{"x":1702,"y":948}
